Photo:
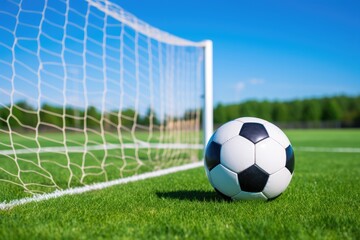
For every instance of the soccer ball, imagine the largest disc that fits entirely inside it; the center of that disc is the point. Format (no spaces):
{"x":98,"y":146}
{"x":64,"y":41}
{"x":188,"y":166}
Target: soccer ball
{"x":249,"y":158}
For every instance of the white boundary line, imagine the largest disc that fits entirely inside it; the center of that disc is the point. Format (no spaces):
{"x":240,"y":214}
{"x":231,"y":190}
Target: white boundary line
{"x":141,"y":145}
{"x":328,"y":150}
{"x":97,"y":186}
{"x":82,"y":149}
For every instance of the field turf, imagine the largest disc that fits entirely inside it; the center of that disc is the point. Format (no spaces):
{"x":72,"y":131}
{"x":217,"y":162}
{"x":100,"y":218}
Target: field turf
{"x":322,"y":202}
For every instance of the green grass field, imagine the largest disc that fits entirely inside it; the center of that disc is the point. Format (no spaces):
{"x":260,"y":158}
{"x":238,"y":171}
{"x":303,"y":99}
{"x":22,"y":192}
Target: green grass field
{"x":45,"y":172}
{"x":320,"y":203}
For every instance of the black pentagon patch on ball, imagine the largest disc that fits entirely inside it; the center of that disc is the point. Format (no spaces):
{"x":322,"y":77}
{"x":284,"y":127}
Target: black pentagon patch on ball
{"x":255,"y":132}
{"x":212,"y":155}
{"x":290,"y":159}
{"x":253,"y":179}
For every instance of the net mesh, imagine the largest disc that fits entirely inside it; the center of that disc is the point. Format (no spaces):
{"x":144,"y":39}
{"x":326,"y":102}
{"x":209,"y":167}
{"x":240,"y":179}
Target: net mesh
{"x":90,"y":93}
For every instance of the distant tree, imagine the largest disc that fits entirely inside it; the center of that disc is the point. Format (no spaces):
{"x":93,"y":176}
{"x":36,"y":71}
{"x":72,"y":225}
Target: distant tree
{"x":350,"y":116}
{"x":343,"y":101}
{"x":69,"y":117}
{"x":295,"y":109}
{"x":51,"y":115}
{"x":4,"y":113}
{"x":220,"y":116}
{"x":114,"y":117}
{"x":23,"y":115}
{"x":74,"y":117}
{"x":265,"y":109}
{"x":150,"y":118}
{"x":311,"y":111}
{"x":331,"y":110}
{"x":280,"y":112}
{"x":232,"y":112}
{"x":15,"y":117}
{"x":93,"y":117}
{"x":189,"y":114}
{"x":151,"y":113}
{"x":356,"y":120}
{"x":248,"y":109}
{"x":355,"y":104}
{"x":127,"y":117}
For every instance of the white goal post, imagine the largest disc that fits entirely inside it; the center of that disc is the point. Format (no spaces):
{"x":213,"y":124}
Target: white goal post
{"x":90,"y":94}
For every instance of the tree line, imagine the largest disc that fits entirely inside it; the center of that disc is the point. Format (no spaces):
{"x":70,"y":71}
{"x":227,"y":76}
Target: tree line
{"x":337,"y":111}
{"x":340,"y":111}
{"x":23,"y":115}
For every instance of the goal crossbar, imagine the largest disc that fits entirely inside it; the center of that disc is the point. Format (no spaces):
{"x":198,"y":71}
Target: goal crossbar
{"x":141,"y":26}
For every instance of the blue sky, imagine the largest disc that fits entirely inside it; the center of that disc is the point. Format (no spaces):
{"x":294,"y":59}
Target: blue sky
{"x":274,"y":50}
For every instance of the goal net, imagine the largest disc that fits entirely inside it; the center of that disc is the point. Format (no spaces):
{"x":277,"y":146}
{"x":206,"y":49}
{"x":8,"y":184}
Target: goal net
{"x":89,"y":93}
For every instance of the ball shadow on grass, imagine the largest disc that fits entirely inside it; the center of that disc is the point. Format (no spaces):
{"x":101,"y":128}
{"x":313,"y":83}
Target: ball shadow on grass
{"x":193,"y":195}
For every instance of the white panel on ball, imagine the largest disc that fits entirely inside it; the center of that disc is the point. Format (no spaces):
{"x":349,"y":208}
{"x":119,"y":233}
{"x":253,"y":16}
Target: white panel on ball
{"x":270,"y":155}
{"x":225,"y":180}
{"x":277,"y":183}
{"x":251,"y":119}
{"x":227,"y":131}
{"x":237,"y":154}
{"x":276,"y":134}
{"x":249,"y":196}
